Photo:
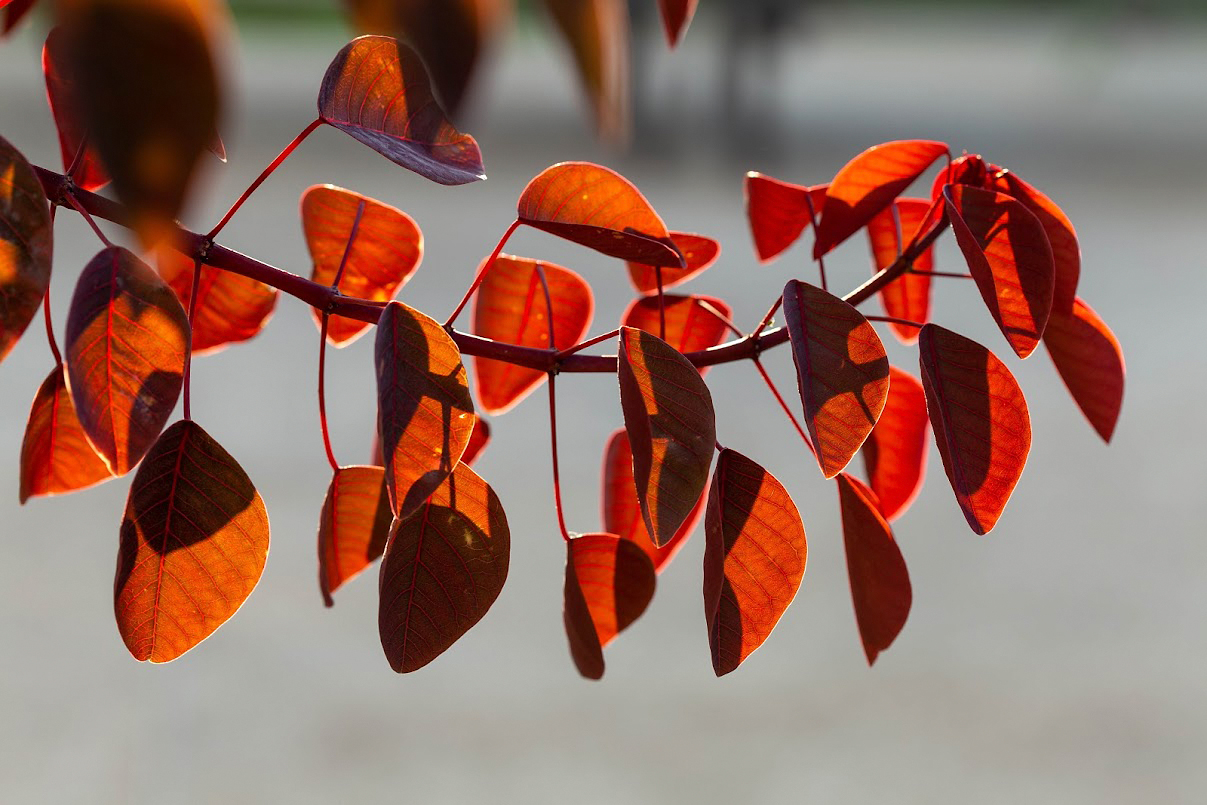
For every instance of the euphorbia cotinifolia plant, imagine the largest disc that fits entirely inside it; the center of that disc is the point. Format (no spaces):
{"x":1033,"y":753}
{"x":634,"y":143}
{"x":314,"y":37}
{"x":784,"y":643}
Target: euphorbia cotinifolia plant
{"x":134,"y":95}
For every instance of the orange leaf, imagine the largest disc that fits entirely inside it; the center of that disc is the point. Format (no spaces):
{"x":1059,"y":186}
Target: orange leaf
{"x":1090,"y":362}
{"x":377,"y":90}
{"x":597,"y":33}
{"x":868,"y":184}
{"x":477,"y":443}
{"x":425,"y":414}
{"x":194,"y":541}
{"x":676,"y":16}
{"x":895,"y":452}
{"x":980,"y":422}
{"x":510,"y":307}
{"x":26,"y":243}
{"x":698,"y":253}
{"x":230,"y":307}
{"x":609,"y":583}
{"x":127,"y":336}
{"x":880,"y":585}
{"x":779,"y":212}
{"x":622,"y":511}
{"x":60,"y":92}
{"x":353,"y":526}
{"x":908,"y":296}
{"x":371,"y":247}
{"x":754,"y":558}
{"x":55,"y":456}
{"x":692,"y":322}
{"x":841,"y":368}
{"x":597,"y":208}
{"x":669,"y":418}
{"x":1010,"y":259}
{"x":443,"y":568}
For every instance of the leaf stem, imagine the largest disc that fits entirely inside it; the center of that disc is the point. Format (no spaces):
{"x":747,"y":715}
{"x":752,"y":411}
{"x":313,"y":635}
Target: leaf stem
{"x":952,"y":274}
{"x":323,"y":394}
{"x":71,"y":199}
{"x":188,"y":358}
{"x":661,"y":304}
{"x":821,"y":261}
{"x":50,"y":339}
{"x":565,"y":353}
{"x":775,"y":308}
{"x":895,"y":320}
{"x":780,"y":399}
{"x":489,"y":264}
{"x":557,"y":483}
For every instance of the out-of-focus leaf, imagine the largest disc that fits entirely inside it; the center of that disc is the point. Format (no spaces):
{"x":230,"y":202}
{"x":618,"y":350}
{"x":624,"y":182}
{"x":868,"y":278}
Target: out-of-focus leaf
{"x":377,"y":90}
{"x":377,"y":246}
{"x":692,"y":322}
{"x":672,"y":430}
{"x":1090,"y":362}
{"x":13,"y":12}
{"x":230,"y":307}
{"x":510,"y":307}
{"x":754,"y":558}
{"x":779,"y":212}
{"x":353,"y":526}
{"x":194,"y":540}
{"x":676,"y":16}
{"x":56,"y":457}
{"x":425,"y":413}
{"x":443,"y":568}
{"x":26,"y":243}
{"x":895,"y":452}
{"x":1010,"y":259}
{"x":699,"y":253}
{"x":597,"y":33}
{"x":841,"y":368}
{"x":980,"y":422}
{"x":880,"y":584}
{"x":127,"y":337}
{"x":61,"y":93}
{"x":908,"y":296}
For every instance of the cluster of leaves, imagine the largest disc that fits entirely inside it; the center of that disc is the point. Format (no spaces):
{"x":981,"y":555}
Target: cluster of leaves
{"x":194,"y":537}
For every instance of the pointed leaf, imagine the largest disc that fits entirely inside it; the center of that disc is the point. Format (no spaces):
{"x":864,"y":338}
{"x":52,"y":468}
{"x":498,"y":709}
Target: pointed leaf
{"x":194,"y":541}
{"x":443,"y":568}
{"x":353,"y":526}
{"x":841,"y":368}
{"x":880,"y":584}
{"x":676,"y":16}
{"x":1066,"y":253}
{"x":61,"y":93}
{"x":26,"y":241}
{"x":127,"y":337}
{"x":56,"y":456}
{"x":895,"y":452}
{"x":969,"y":169}
{"x":779,"y":212}
{"x":1090,"y":362}
{"x":597,"y":33}
{"x":692,"y":322}
{"x":377,"y":90}
{"x":669,"y":418}
{"x":980,"y":421}
{"x":230,"y":308}
{"x":754,"y":558}
{"x":377,"y":247}
{"x":908,"y":296}
{"x":699,"y":253}
{"x":510,"y":307}
{"x":1010,"y":259}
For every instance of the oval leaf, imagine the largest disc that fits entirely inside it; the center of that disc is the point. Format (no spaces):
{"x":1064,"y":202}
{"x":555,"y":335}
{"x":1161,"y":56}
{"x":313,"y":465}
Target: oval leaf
{"x":597,"y":33}
{"x":754,"y":558}
{"x":56,"y":456}
{"x":26,"y":240}
{"x":353,"y":526}
{"x":1090,"y":362}
{"x":676,"y":16}
{"x":61,"y":93}
{"x":372,"y":247}
{"x":895,"y":452}
{"x":377,"y":90}
{"x":699,"y":253}
{"x":841,"y":368}
{"x":908,"y":296}
{"x":194,"y":541}
{"x":779,"y":212}
{"x":980,"y":422}
{"x":127,"y":337}
{"x":443,"y":568}
{"x":230,"y":307}
{"x":477,"y":443}
{"x":692,"y":322}
{"x":1066,"y":253}
{"x":669,"y":418}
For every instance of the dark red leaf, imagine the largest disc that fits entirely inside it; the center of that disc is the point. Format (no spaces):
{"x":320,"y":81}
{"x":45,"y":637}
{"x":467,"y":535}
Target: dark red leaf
{"x":26,"y":244}
{"x":56,"y":457}
{"x":230,"y":307}
{"x":597,"y":33}
{"x":692,"y":322}
{"x":1090,"y":362}
{"x":908,"y":296}
{"x":895,"y":452}
{"x":779,"y":212}
{"x":60,"y":92}
{"x":699,"y":253}
{"x":676,"y":16}
{"x":353,"y":526}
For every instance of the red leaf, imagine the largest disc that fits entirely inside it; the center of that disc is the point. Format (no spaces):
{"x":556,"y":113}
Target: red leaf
{"x":377,"y":90}
{"x":880,"y":585}
{"x":908,"y":296}
{"x":622,"y":511}
{"x":510,"y":307}
{"x":699,"y":253}
{"x":55,"y":456}
{"x":60,"y":92}
{"x":692,"y":322}
{"x":969,"y":169}
{"x":895,"y":452}
{"x":676,"y":16}
{"x":841,"y":368}
{"x":443,"y":568}
{"x":1090,"y":362}
{"x":127,"y":336}
{"x":779,"y":212}
{"x":26,"y":243}
{"x":669,"y":418}
{"x":477,"y":443}
{"x":868,"y":184}
{"x":980,"y":421}
{"x":597,"y":33}
{"x":425,"y":414}
{"x":371,"y":247}
{"x":754,"y":558}
{"x":353,"y":526}
{"x":600,"y":209}
{"x":1010,"y":259}
{"x":230,"y":308}
{"x":193,"y":545}
{"x":609,"y":583}
{"x":14,"y":11}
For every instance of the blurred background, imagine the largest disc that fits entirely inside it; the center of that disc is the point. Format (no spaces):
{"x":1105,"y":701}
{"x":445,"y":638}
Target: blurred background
{"x":1059,"y":659}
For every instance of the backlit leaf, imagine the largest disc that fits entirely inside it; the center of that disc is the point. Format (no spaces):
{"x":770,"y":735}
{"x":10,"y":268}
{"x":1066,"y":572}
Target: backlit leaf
{"x":692,"y":322}
{"x":841,"y":369}
{"x":194,"y":540}
{"x":510,"y":307}
{"x":377,"y":90}
{"x":443,"y":568}
{"x":880,"y":585}
{"x":908,"y":296}
{"x":1090,"y":362}
{"x":60,"y":92}
{"x":353,"y":526}
{"x":425,"y":414}
{"x":230,"y":307}
{"x":779,"y":212}
{"x":597,"y":33}
{"x":895,"y":452}
{"x":669,"y":418}
{"x":477,"y":443}
{"x":969,"y":169}
{"x":754,"y":558}
{"x":127,"y":337}
{"x":56,"y":457}
{"x":980,"y":422}
{"x":26,"y":241}
{"x":13,"y":12}
{"x":676,"y":16}
{"x":698,"y":252}
{"x":378,"y":246}
{"x":1010,"y":259}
